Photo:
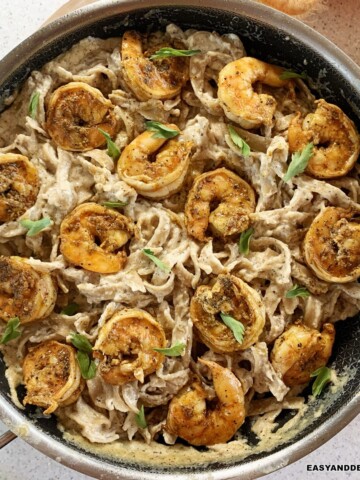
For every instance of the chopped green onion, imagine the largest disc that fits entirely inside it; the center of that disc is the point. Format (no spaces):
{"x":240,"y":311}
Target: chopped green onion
{"x":160,"y":130}
{"x":323,"y":376}
{"x":140,"y":418}
{"x":299,"y":161}
{"x":239,"y":142}
{"x":33,"y":104}
{"x":81,"y":342}
{"x":11,"y":331}
{"x":150,"y":254}
{"x":235,"y":326}
{"x":297,"y":291}
{"x":35,"y":226}
{"x":244,"y":241}
{"x":174,"y":351}
{"x":287,"y":74}
{"x":83,"y":355}
{"x":70,"y":309}
{"x":166,"y":52}
{"x":112,"y":149}
{"x":87,"y":366}
{"x":114,"y":204}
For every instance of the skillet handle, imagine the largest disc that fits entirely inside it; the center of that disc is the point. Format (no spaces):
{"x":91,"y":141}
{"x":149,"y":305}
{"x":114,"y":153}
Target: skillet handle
{"x":6,"y":438}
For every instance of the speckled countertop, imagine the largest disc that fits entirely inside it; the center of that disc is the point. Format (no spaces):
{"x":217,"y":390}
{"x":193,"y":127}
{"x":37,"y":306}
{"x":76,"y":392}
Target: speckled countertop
{"x":20,"y":18}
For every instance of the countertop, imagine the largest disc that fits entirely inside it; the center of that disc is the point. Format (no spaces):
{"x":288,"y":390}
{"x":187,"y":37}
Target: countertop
{"x":20,"y":18}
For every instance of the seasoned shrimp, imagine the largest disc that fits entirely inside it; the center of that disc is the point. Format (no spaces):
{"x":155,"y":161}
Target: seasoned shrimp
{"x":231,"y":296}
{"x":191,"y":419}
{"x":335,"y":138}
{"x":75,"y":113}
{"x":232,"y":198}
{"x":19,"y":186}
{"x":160,"y":78}
{"x":332,"y":245}
{"x":52,"y":376}
{"x":92,"y":236}
{"x":237,"y":97}
{"x":291,"y":7}
{"x":24,"y":292}
{"x":125,"y":346}
{"x":155,"y":167}
{"x":301,"y":350}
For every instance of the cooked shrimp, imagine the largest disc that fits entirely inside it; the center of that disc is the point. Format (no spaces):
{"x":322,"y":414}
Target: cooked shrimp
{"x":75,"y":113}
{"x":335,"y":138}
{"x":125,"y":346}
{"x":191,"y":419}
{"x":232,"y":198}
{"x":52,"y":376}
{"x":291,"y":7}
{"x":231,"y":296}
{"x":155,"y":167}
{"x":92,"y":236}
{"x":19,"y":186}
{"x":301,"y":350}
{"x":332,"y":245}
{"x":24,"y":292}
{"x":160,"y":78}
{"x":237,"y":97}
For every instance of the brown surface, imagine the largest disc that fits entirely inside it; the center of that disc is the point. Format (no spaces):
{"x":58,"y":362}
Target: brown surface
{"x":335,"y":19}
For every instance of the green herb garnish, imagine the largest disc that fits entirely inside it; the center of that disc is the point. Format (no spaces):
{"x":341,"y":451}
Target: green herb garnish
{"x":87,"y":366}
{"x":70,"y":309}
{"x":114,"y":204}
{"x":11,"y":331}
{"x":81,"y":342}
{"x":35,"y":226}
{"x":140,"y":418}
{"x":239,"y":142}
{"x":299,"y":161}
{"x":244,"y":241}
{"x":323,"y":376}
{"x":33,"y":104}
{"x":297,"y":291}
{"x":287,"y":74}
{"x":160,"y":130}
{"x":150,"y":254}
{"x":83,"y":355}
{"x":174,"y":351}
{"x":112,"y":149}
{"x":235,"y":326}
{"x":166,"y":52}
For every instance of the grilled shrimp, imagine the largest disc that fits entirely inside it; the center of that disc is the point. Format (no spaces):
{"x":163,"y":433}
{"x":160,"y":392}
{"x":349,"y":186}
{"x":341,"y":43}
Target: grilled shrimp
{"x":301,"y":350}
{"x":237,"y":97}
{"x":24,"y":292}
{"x":125,"y":346}
{"x":332,"y":245}
{"x":335,"y":138}
{"x":92,"y":236}
{"x":75,"y":113}
{"x":159,"y":79}
{"x":52,"y":376}
{"x":231,"y":296}
{"x":232,"y":197}
{"x":155,"y":167}
{"x":191,"y":419}
{"x":291,"y":7}
{"x":19,"y":186}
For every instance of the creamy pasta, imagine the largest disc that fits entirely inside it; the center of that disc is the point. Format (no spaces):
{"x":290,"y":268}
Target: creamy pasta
{"x":186,"y":207}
